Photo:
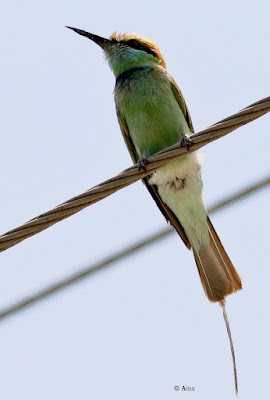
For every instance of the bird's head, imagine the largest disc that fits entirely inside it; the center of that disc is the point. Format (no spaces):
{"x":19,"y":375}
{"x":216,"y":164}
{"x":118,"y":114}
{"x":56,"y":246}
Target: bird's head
{"x":126,"y":51}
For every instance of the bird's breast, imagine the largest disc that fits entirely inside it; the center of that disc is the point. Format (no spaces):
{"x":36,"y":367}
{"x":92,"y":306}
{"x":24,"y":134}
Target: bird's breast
{"x":153,"y":116}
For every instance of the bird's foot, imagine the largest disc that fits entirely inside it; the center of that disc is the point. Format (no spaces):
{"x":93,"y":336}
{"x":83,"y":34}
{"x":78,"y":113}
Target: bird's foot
{"x":186,"y":141}
{"x":142,"y":162}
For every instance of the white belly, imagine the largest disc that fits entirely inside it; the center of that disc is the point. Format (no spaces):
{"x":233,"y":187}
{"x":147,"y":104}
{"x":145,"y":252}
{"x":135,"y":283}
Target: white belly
{"x":180,"y":187}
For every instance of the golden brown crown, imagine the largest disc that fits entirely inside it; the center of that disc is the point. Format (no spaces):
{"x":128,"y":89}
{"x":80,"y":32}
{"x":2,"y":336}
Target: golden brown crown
{"x":140,"y":43}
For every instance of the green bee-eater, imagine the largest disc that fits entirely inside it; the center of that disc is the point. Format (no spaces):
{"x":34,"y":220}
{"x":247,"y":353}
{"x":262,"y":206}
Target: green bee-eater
{"x":153,"y":115}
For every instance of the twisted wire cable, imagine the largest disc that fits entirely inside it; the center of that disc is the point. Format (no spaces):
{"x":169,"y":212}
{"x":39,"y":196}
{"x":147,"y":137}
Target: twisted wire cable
{"x":133,"y":174}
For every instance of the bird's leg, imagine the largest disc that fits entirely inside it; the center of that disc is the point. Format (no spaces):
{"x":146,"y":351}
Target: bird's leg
{"x":142,"y":162}
{"x":186,"y":141}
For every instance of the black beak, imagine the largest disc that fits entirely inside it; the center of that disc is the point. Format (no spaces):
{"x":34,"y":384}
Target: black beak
{"x":102,"y":42}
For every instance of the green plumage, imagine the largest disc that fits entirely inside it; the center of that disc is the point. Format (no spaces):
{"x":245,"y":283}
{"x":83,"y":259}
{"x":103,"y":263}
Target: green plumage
{"x":142,"y":104}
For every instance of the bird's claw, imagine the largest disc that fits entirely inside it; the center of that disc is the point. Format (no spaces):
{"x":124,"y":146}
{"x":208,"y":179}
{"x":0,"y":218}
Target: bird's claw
{"x":142,"y":162}
{"x":186,"y":141}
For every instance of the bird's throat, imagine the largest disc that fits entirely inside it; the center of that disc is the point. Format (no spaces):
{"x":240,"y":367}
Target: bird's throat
{"x":129,"y":74}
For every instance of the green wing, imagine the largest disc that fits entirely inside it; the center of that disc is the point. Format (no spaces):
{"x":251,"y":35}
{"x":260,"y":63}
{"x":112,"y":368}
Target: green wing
{"x":168,"y":214}
{"x":181,"y":101}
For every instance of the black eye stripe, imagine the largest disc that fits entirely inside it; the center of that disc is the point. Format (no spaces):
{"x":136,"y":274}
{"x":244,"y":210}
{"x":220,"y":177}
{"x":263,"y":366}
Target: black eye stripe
{"x":139,"y":46}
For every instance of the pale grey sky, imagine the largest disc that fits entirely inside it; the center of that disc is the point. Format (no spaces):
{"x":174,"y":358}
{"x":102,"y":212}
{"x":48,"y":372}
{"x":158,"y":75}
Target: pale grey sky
{"x":145,"y":325}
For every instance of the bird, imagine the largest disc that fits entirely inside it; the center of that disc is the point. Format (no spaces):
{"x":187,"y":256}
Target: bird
{"x":153,"y":115}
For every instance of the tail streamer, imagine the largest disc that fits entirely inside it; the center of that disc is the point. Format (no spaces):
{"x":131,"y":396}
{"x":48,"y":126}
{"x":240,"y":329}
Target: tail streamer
{"x":222,"y":304}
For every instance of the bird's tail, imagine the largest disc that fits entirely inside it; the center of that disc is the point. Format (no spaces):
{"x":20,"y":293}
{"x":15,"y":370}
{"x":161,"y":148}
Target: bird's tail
{"x":219,"y":278}
{"x":218,"y":275}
